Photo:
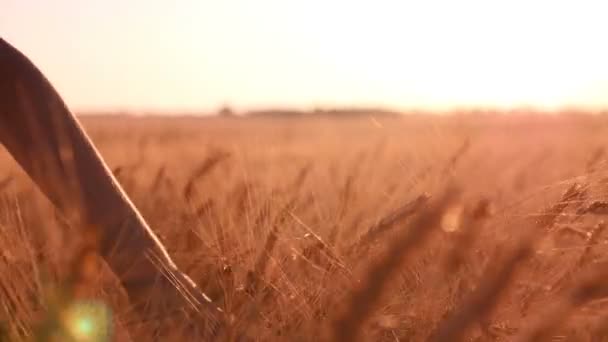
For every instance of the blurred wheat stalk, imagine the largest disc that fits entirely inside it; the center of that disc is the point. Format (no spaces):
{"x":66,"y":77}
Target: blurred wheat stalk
{"x":71,"y":316}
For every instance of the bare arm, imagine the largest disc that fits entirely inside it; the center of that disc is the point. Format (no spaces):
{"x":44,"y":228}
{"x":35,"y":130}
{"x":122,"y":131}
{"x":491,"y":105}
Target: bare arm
{"x":47,"y":141}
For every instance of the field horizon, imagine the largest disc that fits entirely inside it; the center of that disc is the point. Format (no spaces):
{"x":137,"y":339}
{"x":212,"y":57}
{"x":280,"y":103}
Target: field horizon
{"x":346,"y":111}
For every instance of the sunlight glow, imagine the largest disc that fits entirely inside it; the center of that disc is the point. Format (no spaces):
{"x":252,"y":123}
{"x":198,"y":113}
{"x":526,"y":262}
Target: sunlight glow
{"x":88,"y":321}
{"x":199,"y":54}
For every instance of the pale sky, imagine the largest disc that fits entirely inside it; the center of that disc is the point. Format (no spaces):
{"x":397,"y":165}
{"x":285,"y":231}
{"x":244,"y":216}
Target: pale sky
{"x":168,"y":55}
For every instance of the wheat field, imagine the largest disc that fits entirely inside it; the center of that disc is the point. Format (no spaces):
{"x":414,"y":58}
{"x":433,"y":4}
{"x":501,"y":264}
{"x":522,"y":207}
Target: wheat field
{"x":472,"y":227}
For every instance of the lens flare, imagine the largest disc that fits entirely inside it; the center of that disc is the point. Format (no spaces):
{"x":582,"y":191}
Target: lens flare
{"x":88,"y":321}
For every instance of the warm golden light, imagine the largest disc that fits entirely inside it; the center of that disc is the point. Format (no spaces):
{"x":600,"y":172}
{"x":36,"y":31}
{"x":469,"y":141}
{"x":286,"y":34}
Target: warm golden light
{"x":432,"y":54}
{"x":88,"y":321}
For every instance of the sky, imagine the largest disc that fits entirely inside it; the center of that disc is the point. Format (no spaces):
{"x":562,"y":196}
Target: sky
{"x":188,"y":55}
